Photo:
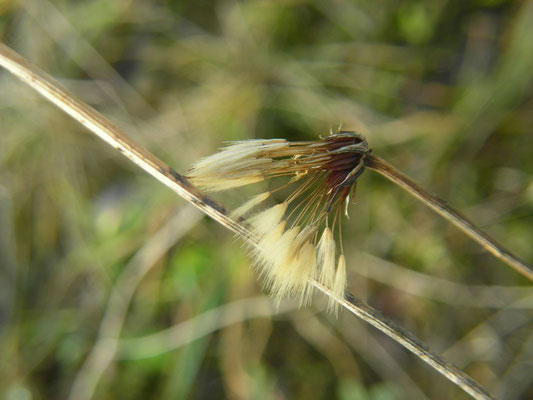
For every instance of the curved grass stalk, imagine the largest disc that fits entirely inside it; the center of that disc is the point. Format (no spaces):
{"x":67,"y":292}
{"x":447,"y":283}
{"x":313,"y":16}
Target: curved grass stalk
{"x":453,"y":216}
{"x":112,"y":135}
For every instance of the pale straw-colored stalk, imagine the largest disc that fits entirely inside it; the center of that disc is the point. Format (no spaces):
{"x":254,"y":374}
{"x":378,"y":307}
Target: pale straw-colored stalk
{"x":99,"y":125}
{"x":449,"y":213}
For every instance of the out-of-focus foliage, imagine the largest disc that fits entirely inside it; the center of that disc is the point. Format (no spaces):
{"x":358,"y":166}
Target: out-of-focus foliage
{"x":442,"y":89}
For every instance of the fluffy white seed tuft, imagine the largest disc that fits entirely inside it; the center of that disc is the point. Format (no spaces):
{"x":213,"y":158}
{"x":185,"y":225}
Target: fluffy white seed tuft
{"x":218,"y":184}
{"x":326,"y":258}
{"x":303,"y":272}
{"x":267,"y":220}
{"x":246,"y":207}
{"x":338,"y":286}
{"x":281,"y":257}
{"x":239,"y":164}
{"x":265,"y":254}
{"x":292,"y":274}
{"x":287,"y":262}
{"x":237,"y":152}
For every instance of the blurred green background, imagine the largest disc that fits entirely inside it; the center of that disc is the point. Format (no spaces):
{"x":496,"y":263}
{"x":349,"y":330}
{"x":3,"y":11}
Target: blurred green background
{"x":112,"y":287}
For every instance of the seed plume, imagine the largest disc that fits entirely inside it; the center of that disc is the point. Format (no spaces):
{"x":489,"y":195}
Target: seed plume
{"x":296,"y":236}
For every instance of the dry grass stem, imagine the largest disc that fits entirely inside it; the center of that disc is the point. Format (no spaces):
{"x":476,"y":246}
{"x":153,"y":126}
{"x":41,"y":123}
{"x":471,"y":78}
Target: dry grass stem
{"x":111,"y":134}
{"x":380,"y":357}
{"x":440,"y":207}
{"x":108,"y":132}
{"x":411,"y":343}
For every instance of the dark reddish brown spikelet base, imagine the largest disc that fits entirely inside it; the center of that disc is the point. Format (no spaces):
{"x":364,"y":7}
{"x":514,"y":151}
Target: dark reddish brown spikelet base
{"x":341,"y":177}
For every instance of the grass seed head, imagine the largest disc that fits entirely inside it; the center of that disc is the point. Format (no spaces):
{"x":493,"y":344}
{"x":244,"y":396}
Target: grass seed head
{"x":339,"y":285}
{"x":322,"y":174}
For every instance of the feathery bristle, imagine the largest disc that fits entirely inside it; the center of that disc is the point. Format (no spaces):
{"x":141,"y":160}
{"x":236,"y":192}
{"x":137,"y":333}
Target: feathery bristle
{"x":293,"y":264}
{"x":326,"y":258}
{"x":236,"y":152}
{"x":338,"y":286}
{"x":246,"y":207}
{"x":282,"y":256}
{"x":273,"y":258}
{"x":303,"y":237}
{"x":229,"y":182}
{"x":293,"y":273}
{"x":303,"y":272}
{"x":268,"y":219}
{"x":264,"y":254}
{"x":239,"y":164}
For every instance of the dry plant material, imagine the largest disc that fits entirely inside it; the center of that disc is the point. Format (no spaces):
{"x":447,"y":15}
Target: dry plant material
{"x":299,"y":238}
{"x":453,"y":216}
